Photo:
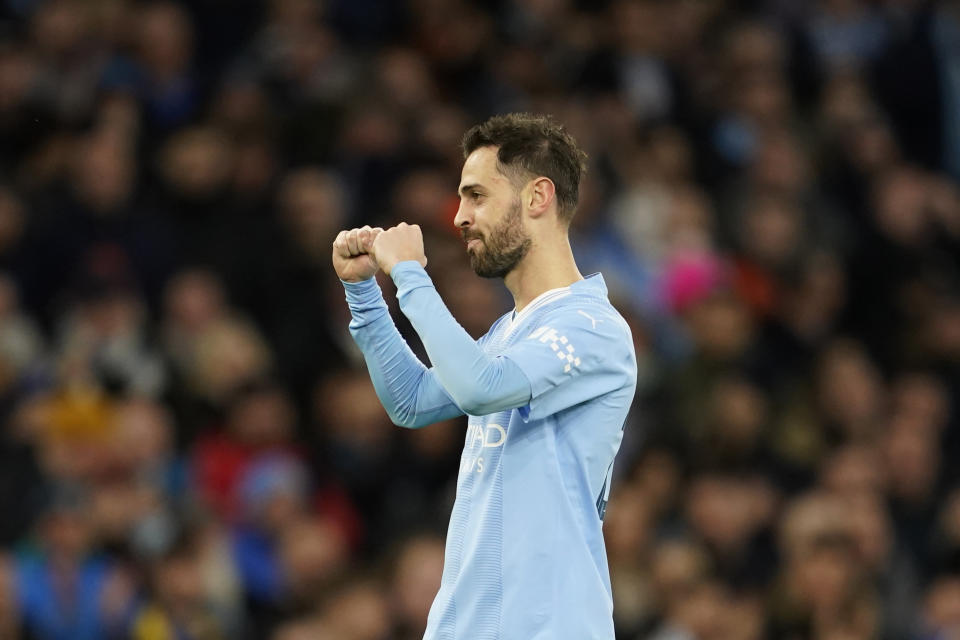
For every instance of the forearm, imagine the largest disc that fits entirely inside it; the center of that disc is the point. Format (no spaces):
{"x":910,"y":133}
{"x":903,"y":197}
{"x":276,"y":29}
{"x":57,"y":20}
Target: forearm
{"x":408,"y":390}
{"x":477,"y":383}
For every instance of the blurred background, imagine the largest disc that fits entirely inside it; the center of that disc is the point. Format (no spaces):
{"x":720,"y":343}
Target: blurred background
{"x":190,"y":446}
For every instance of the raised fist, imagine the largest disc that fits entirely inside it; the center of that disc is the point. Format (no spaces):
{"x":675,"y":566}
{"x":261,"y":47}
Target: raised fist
{"x":351,"y":254}
{"x":399,"y":244}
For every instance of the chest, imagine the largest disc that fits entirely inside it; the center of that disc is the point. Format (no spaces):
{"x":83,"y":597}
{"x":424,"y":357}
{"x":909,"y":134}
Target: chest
{"x":486,"y":436}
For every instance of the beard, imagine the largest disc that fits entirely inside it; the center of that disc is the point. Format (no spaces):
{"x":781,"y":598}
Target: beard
{"x":503,"y":249}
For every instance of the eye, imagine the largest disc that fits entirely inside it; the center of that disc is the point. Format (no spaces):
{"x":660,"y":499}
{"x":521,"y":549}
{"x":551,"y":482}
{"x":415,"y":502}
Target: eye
{"x":475,"y":195}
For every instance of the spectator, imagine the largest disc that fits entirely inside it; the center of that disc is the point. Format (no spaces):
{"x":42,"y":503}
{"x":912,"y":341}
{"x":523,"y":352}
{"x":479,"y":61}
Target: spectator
{"x":65,"y":590}
{"x":772,"y":198}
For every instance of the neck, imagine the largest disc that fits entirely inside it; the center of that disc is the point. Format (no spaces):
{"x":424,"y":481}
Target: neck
{"x":546,"y":266}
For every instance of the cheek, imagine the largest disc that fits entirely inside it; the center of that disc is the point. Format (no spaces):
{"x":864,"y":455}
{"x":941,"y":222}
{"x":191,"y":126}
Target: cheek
{"x":488,"y":214}
{"x":481,"y":220}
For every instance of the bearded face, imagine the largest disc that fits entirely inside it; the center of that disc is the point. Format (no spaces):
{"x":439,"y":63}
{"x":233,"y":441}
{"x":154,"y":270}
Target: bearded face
{"x":500,"y":250}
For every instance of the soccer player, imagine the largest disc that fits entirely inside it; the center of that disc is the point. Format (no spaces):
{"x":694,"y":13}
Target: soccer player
{"x":546,"y":390}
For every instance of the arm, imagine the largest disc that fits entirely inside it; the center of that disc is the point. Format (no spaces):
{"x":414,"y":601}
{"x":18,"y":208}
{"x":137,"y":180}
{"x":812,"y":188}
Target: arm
{"x":477,"y":383}
{"x":534,"y":375}
{"x":409,"y":391}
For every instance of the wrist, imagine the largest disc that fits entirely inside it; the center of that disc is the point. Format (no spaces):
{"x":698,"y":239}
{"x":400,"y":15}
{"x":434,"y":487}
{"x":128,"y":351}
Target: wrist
{"x":357,"y":280}
{"x":409,"y":275}
{"x":362,"y":292}
{"x":405,"y":266}
{"x":388,"y":266}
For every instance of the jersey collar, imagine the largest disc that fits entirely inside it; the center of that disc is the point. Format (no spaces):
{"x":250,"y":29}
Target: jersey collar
{"x":593,"y":284}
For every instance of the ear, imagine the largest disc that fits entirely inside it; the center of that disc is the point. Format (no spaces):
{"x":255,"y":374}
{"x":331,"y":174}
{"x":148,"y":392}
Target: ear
{"x":540,"y":196}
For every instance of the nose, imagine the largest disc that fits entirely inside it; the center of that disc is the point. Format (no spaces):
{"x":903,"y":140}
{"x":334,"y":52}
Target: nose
{"x":464,"y":217}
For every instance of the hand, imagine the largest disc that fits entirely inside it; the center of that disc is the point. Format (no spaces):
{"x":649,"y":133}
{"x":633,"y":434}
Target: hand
{"x":351,"y":254}
{"x":398,"y":244}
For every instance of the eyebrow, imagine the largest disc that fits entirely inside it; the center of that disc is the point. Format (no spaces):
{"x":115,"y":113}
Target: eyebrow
{"x":467,"y":188}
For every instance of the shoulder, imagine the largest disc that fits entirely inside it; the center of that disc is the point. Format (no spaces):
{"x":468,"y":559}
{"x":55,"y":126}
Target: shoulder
{"x":589,"y":328}
{"x":587,"y":315}
{"x":498,"y":325}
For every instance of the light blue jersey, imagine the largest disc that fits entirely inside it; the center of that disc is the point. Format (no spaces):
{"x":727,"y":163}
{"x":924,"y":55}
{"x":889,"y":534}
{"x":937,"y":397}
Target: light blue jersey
{"x":525,"y":557}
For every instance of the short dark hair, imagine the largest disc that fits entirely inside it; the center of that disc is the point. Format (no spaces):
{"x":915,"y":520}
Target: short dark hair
{"x":533,"y":145}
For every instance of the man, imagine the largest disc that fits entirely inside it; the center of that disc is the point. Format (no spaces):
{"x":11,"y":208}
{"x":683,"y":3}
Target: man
{"x":546,"y":390}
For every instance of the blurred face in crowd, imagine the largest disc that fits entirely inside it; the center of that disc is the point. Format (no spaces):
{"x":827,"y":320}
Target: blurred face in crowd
{"x":635,"y":25}
{"x":358,"y":612}
{"x":824,"y":577}
{"x":416,"y":579}
{"x":809,"y":518}
{"x":677,"y":566}
{"x":912,"y":460}
{"x":372,"y":131}
{"x":196,"y":163}
{"x":313,"y":205}
{"x":166,"y":39}
{"x":490,"y":217}
{"x":754,"y":47}
{"x":870,"y":530}
{"x":772,"y":231}
{"x":12,"y":217}
{"x":144,"y":434}
{"x":307,"y":629}
{"x":942,"y":607}
{"x":441,"y":127}
{"x":422,"y":197}
{"x":853,"y":470}
{"x":725,"y":511}
{"x":292,"y":13}
{"x":103,"y":172}
{"x":228,"y":355}
{"x":689,"y":221}
{"x":781,"y":165}
{"x":850,"y":389}
{"x":67,"y":534}
{"x":178,"y":582}
{"x":475,"y":302}
{"x":8,"y":596}
{"x":312,"y":552}
{"x":628,"y":525}
{"x":949,"y":524}
{"x":194,"y":299}
{"x":811,"y":307}
{"x":8,"y":295}
{"x":658,"y":478}
{"x":739,"y":410}
{"x":870,"y":146}
{"x":704,"y":611}
{"x":923,"y":399}
{"x":406,"y":78}
{"x":347,"y":406}
{"x":900,"y":202}
{"x":720,"y":325}
{"x":59,"y":28}
{"x":263,"y":418}
{"x":116,"y":508}
{"x":845,"y":102}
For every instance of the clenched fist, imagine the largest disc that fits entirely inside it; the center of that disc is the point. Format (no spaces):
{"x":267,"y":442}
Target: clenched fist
{"x":351,"y":254}
{"x":398,"y":244}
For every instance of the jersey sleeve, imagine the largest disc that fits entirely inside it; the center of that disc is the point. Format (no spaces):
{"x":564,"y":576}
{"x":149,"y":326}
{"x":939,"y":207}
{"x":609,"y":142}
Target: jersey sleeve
{"x":409,"y":392}
{"x":477,"y":383}
{"x":573,"y":355}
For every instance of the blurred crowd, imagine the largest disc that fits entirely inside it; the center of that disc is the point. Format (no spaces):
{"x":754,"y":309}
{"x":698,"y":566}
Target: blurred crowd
{"x":191,"y":448}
